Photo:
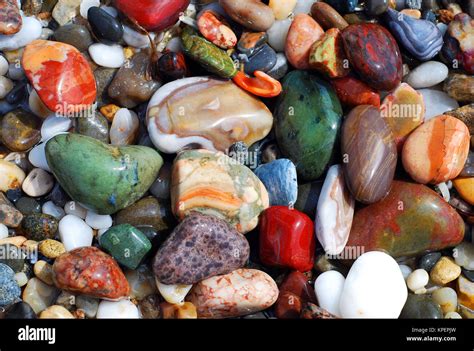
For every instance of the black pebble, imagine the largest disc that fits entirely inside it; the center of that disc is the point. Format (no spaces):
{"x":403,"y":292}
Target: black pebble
{"x":17,"y":94}
{"x":428,"y":261}
{"x":106,"y":28}
{"x":20,"y":310}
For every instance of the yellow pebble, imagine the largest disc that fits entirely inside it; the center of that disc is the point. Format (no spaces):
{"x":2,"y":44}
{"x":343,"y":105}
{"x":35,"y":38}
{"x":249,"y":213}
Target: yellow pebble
{"x":445,"y":271}
{"x":465,"y":188}
{"x":51,"y":248}
{"x":109,"y":111}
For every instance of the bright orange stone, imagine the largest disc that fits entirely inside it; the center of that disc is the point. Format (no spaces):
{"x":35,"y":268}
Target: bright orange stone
{"x":60,"y":75}
{"x":465,"y":188}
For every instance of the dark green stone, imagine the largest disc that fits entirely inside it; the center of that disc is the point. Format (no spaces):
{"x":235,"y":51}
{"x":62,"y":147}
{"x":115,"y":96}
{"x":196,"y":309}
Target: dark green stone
{"x":39,"y":226}
{"x":13,"y":257}
{"x":75,"y":35}
{"x":307,"y":122}
{"x":421,"y":307}
{"x":103,"y":177}
{"x":126,"y":244}
{"x":95,"y":126}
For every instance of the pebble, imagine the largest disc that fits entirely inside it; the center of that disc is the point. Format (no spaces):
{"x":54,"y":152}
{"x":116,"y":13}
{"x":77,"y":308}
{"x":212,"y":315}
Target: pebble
{"x":452,"y":315}
{"x":37,"y":106}
{"x":44,"y":271}
{"x":445,"y":271}
{"x":54,"y":125}
{"x":39,"y":295}
{"x":464,"y":255}
{"x":117,"y":310}
{"x":427,"y":75}
{"x":76,"y":209}
{"x":447,"y":299}
{"x":21,"y":279}
{"x":374,"y":288}
{"x":20,"y":310}
{"x":65,"y":10}
{"x":6,"y":85}
{"x":74,"y":232}
{"x":10,"y":291}
{"x":3,"y":66}
{"x":96,"y":221}
{"x":142,"y":282}
{"x":281,"y":67}
{"x":136,"y":39}
{"x":38,"y":183}
{"x":459,"y":87}
{"x":465,"y":289}
{"x":3,"y":231}
{"x":39,"y":226}
{"x":37,"y":157}
{"x":87,"y":304}
{"x":124,"y":129}
{"x":278,"y":33}
{"x":417,"y":280}
{"x":428,"y":261}
{"x":95,"y":126}
{"x":56,"y":312}
{"x":280,"y":180}
{"x":30,"y":30}
{"x":421,"y":307}
{"x":19,"y":130}
{"x":11,"y":176}
{"x":74,"y":34}
{"x":106,"y":28}
{"x":12,"y":256}
{"x":110,"y":56}
{"x":51,"y":248}
{"x":86,"y":5}
{"x":27,"y":205}
{"x":437,"y":103}
{"x":51,"y":209}
{"x":251,"y":14}
{"x":328,"y":288}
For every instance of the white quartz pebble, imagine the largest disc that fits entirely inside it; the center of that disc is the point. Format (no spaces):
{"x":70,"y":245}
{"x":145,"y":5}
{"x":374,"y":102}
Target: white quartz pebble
{"x":30,"y":30}
{"x":437,"y":102}
{"x":38,"y":183}
{"x":464,"y":255}
{"x":405,"y":270}
{"x":37,"y":106}
{"x":74,"y":232}
{"x":4,"y":65}
{"x":51,"y":209}
{"x":98,"y":221}
{"x":173,"y":293}
{"x":54,"y":125}
{"x":427,"y":74}
{"x":328,"y":288}
{"x":86,"y":5}
{"x":277,"y":34}
{"x":6,"y":85}
{"x":37,"y":157}
{"x":76,"y":209}
{"x":447,"y":298}
{"x":3,"y":231}
{"x":124,"y":128}
{"x":110,"y":56}
{"x":417,"y":281}
{"x":374,"y":288}
{"x":117,"y":309}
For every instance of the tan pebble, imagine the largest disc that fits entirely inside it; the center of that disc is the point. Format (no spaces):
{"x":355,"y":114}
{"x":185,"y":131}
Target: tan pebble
{"x":51,"y":248}
{"x":14,"y":240}
{"x":21,"y":279}
{"x":56,"y":312}
{"x":445,"y":271}
{"x":109,"y":111}
{"x":44,"y":271}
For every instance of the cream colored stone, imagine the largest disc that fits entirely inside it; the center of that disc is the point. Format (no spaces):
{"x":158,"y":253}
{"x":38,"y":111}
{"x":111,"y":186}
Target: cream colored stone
{"x":44,"y":271}
{"x":56,"y":312}
{"x":445,"y":271}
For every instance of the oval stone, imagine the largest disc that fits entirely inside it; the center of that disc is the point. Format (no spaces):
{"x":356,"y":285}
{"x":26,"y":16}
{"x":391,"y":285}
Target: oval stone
{"x":370,"y":153}
{"x":412,"y":219}
{"x":104,"y":178}
{"x":19,"y":130}
{"x":39,"y":226}
{"x":242,"y":292}
{"x":307,"y":120}
{"x":374,"y":55}
{"x":437,"y":150}
{"x":61,"y":76}
{"x":205,"y":111}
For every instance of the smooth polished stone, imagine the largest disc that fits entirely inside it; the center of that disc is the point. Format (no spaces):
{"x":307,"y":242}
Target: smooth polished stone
{"x":460,"y":87}
{"x":13,"y":257}
{"x":263,"y":60}
{"x":445,"y":271}
{"x":421,"y":307}
{"x":369,"y":153}
{"x":278,"y":33}
{"x":126,"y":244}
{"x":353,"y":92}
{"x":60,"y":75}
{"x":104,"y":178}
{"x":427,"y":74}
{"x":327,"y":16}
{"x":334,"y":212}
{"x":417,"y":280}
{"x":374,"y":288}
{"x":30,"y":31}
{"x":10,"y":291}
{"x":95,"y":126}
{"x":437,"y":150}
{"x":11,"y":176}
{"x":282,"y":8}
{"x":141,"y":281}
{"x":464,"y":254}
{"x":376,"y":7}
{"x":437,"y":102}
{"x":465,"y":114}
{"x":74,"y":34}
{"x":465,"y":188}
{"x":374,"y":55}
{"x":280,"y":180}
{"x":303,"y":32}
{"x":344,"y":6}
{"x":51,"y":248}
{"x":54,"y":125}
{"x":125,"y":128}
{"x":465,"y":290}
{"x":328,"y":288}
{"x":20,"y":310}
{"x":19,"y":130}
{"x":207,"y":112}
{"x":252,"y":14}
{"x":458,"y":42}
{"x":153,"y":15}
{"x":403,"y":110}
{"x":10,"y":17}
{"x":250,"y":42}
{"x":420,"y":38}
{"x":242,"y":292}
{"x":286,"y":239}
{"x":327,"y":55}
{"x":174,"y":293}
{"x":172,"y":66}
{"x":74,"y":233}
{"x":91,"y":272}
{"x":38,"y":183}
{"x":107,"y":28}
{"x":412,"y":219}
{"x":39,"y":226}
{"x":9,"y":215}
{"x":124,"y":309}
{"x":428,"y":261}
{"x":199,"y":248}
{"x":39,"y":295}
{"x":214,"y":184}
{"x":214,"y":28}
{"x":446,"y":298}
{"x":307,"y":121}
{"x":110,"y":56}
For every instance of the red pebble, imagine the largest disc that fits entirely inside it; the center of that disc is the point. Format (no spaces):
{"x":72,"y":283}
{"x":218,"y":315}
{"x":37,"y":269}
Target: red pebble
{"x":287,"y":239}
{"x":352,"y":92}
{"x":295,"y":290}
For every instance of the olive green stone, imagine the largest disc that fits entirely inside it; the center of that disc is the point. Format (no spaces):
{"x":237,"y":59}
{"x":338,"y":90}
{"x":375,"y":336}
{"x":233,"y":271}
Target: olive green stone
{"x":75,"y":35}
{"x":12,"y":256}
{"x":19,"y":130}
{"x":421,"y":307}
{"x":102,"y":177}
{"x":95,"y":126}
{"x":307,"y":122}
{"x":147,"y":212}
{"x":39,"y":226}
{"x":126,"y":244}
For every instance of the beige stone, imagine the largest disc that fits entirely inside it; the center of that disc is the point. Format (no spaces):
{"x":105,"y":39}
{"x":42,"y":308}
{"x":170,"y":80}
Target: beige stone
{"x":56,"y":312}
{"x":445,"y":271}
{"x":44,"y":271}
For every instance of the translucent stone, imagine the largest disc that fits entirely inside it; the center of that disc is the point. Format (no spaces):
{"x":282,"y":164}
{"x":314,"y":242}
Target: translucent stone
{"x":464,"y":255}
{"x":447,"y":299}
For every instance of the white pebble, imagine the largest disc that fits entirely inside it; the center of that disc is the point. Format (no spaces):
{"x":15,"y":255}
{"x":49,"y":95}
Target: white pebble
{"x":464,"y":255}
{"x":53,"y":126}
{"x":3,"y":231}
{"x":417,"y":280}
{"x":444,"y":190}
{"x":38,"y":183}
{"x":37,"y":157}
{"x":437,"y":102}
{"x":6,"y":85}
{"x":37,"y":106}
{"x":117,"y":309}
{"x":406,"y":270}
{"x":3,"y":66}
{"x":374,"y":288}
{"x":452,"y":315}
{"x":328,"y":288}
{"x":76,"y":209}
{"x":97,"y":221}
{"x":447,"y":298}
{"x":74,"y":232}
{"x":30,"y":30}
{"x":427,"y":74}
{"x":173,"y":294}
{"x":51,"y":209}
{"x":110,"y":56}
{"x":136,"y":39}
{"x":86,"y":5}
{"x":124,"y":127}
{"x":277,"y":34}
{"x":21,"y":279}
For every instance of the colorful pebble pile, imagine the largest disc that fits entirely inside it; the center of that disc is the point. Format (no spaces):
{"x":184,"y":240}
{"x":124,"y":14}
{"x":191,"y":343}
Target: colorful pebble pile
{"x":247,"y":159}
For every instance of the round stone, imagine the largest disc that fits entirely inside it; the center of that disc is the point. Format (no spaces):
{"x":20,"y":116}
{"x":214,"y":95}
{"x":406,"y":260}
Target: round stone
{"x":428,"y":261}
{"x":446,"y":298}
{"x":19,"y":130}
{"x":110,"y":56}
{"x":38,"y":183}
{"x":328,"y":288}
{"x":12,"y":256}
{"x":97,"y":221}
{"x":464,"y":255}
{"x":40,"y":226}
{"x":74,"y":232}
{"x":427,"y":74}
{"x":56,"y":312}
{"x":107,"y":28}
{"x":74,"y":34}
{"x":28,"y":205}
{"x":51,"y":248}
{"x":417,"y":280}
